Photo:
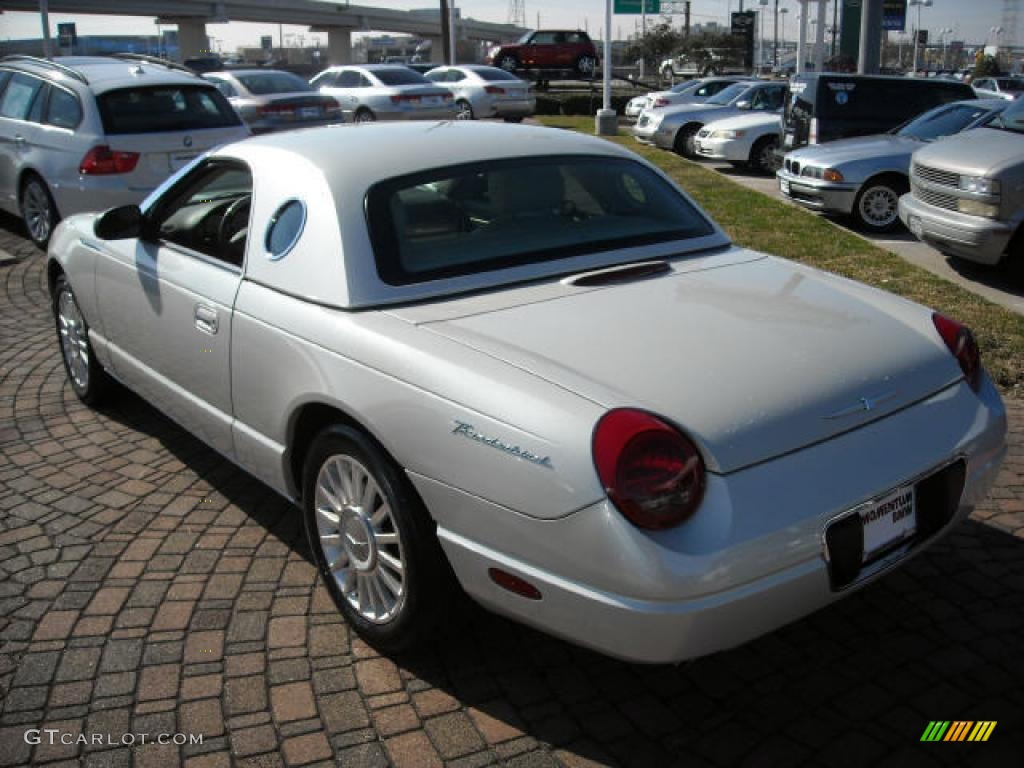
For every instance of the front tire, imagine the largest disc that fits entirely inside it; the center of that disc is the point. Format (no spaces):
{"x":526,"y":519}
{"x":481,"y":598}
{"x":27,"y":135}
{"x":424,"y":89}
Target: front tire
{"x":686,"y":141}
{"x":38,"y":210}
{"x":373,"y":542}
{"x":508,"y":62}
{"x":87,"y":377}
{"x":762,"y":155}
{"x":586,"y":65}
{"x":876,"y":207}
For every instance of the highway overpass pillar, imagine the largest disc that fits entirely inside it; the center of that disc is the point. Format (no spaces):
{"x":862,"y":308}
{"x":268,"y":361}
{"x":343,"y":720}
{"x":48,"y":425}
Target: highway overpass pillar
{"x":192,"y":39}
{"x":436,"y":49}
{"x":339,"y":46}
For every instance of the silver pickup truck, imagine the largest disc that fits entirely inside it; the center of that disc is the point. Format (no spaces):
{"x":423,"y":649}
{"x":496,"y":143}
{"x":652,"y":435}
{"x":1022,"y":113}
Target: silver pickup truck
{"x":967,"y":192}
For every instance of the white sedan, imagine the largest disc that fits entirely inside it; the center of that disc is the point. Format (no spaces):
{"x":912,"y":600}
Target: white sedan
{"x":746,"y":141}
{"x":481,"y":91}
{"x":523,"y":360}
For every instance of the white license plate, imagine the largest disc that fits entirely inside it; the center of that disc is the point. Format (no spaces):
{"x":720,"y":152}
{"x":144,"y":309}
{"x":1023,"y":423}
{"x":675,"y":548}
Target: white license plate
{"x":309,"y":112}
{"x":180,"y":161}
{"x":431,"y":101}
{"x":784,"y":186}
{"x":889,"y":521}
{"x":914,"y":224}
{"x":516,"y":94}
{"x":788,"y":141}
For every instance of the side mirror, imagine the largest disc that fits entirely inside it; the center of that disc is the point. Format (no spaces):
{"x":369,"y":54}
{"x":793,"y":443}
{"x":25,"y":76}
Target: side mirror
{"x":119,"y":223}
{"x":743,"y":104}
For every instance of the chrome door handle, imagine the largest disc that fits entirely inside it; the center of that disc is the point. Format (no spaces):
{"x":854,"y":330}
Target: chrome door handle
{"x":206,"y":318}
{"x":19,"y":139}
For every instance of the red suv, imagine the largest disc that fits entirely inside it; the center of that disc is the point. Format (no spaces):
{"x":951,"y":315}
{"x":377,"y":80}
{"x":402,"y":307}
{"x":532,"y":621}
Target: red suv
{"x":548,"y":49}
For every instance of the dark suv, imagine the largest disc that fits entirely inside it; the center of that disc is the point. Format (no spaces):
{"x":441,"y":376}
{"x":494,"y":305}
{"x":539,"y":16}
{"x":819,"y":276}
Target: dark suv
{"x":825,"y":107}
{"x":548,"y":50}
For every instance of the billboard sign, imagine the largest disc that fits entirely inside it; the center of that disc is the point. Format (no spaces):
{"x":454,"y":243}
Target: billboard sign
{"x":67,"y":35}
{"x":894,"y":15}
{"x":633,"y":7}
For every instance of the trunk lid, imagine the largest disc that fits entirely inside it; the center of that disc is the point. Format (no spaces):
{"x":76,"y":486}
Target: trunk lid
{"x":752,"y":356}
{"x":161,"y":154}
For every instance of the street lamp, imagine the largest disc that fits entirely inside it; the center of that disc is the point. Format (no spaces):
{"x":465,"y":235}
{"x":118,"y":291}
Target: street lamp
{"x":783,"y":11}
{"x":760,"y":36}
{"x":920,"y":4}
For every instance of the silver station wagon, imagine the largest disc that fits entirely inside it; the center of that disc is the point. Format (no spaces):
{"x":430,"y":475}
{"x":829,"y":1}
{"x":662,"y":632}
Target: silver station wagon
{"x":523,"y":360}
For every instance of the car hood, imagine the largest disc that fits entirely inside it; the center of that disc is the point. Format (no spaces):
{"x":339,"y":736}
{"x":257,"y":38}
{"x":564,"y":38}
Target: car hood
{"x":752,"y":355}
{"x":835,"y":153}
{"x":978,"y":152}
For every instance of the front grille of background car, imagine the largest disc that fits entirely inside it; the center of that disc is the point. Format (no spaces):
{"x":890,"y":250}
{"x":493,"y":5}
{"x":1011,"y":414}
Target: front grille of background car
{"x":937,"y":176}
{"x":930,"y":197}
{"x":793,"y":167}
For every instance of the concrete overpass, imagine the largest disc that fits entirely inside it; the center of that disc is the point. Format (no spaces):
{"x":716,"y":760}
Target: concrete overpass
{"x":338,"y":20}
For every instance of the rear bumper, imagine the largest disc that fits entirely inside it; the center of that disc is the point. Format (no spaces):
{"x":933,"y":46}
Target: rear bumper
{"x":514,"y":108}
{"x":818,"y":195}
{"x":750,"y":561}
{"x":970,"y":237}
{"x":441,"y":113}
{"x":96,"y":193}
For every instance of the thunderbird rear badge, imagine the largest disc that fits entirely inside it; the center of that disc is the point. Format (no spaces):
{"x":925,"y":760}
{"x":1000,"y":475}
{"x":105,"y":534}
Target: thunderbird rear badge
{"x":467,"y":430}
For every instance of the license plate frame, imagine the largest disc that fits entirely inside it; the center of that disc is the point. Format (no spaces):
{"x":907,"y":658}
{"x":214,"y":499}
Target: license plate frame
{"x":888,"y":522}
{"x":310,"y":113}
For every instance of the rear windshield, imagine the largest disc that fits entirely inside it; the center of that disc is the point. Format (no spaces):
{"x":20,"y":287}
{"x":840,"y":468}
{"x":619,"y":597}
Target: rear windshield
{"x":165,"y":108}
{"x":264,"y":83}
{"x":495,"y":74}
{"x":401,"y":76}
{"x":506,"y":213}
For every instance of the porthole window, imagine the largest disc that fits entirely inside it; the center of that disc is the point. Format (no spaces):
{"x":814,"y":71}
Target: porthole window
{"x":285,"y":229}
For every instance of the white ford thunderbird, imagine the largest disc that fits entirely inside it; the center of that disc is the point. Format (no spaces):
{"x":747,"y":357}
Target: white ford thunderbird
{"x":524,"y":357}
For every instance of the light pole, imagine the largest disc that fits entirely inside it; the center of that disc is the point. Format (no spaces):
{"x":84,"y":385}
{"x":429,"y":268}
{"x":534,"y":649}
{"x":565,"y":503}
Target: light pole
{"x":783,"y":11}
{"x":760,"y":35}
{"x":917,"y":32}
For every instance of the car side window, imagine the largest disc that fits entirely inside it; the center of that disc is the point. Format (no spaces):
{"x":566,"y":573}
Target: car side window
{"x":208,"y":211}
{"x":5,"y":75}
{"x":543,"y":38}
{"x":35,"y":115}
{"x":365,"y":82}
{"x":64,"y":111}
{"x":348,"y":79}
{"x":456,"y":75}
{"x":436,"y":77}
{"x":324,"y":80}
{"x":18,"y":97}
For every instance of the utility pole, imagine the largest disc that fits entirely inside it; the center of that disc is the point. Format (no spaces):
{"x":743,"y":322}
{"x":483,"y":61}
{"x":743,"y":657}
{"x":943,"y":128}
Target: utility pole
{"x":835,"y":26}
{"x":686,"y":18}
{"x":870,"y":37}
{"x":445,"y":40}
{"x":44,"y":17}
{"x":775,"y":43}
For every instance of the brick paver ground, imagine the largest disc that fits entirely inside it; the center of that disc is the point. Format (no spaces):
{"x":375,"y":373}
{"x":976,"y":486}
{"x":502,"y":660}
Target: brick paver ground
{"x":148,"y":587}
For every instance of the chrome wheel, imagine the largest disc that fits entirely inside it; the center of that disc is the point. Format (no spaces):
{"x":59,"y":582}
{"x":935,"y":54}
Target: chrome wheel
{"x":465,"y":111}
{"x":586,"y":65}
{"x":365,"y":116}
{"x":766,"y":157}
{"x":879,"y":207}
{"x":37,"y":211}
{"x":508,"y":63}
{"x":74,"y":342}
{"x":359,"y":539}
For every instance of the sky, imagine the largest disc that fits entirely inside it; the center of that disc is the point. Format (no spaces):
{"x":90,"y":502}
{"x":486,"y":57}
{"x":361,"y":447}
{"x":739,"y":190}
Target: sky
{"x":588,"y":14}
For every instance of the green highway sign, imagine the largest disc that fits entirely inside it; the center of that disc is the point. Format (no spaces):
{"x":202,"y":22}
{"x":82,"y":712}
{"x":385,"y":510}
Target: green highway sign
{"x":633,"y":6}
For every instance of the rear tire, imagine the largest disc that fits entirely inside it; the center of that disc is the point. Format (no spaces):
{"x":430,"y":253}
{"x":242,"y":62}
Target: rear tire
{"x":363,"y":115}
{"x":876,"y":207}
{"x":513,"y":119}
{"x":372,"y":540}
{"x":464,"y":110}
{"x":85,"y":374}
{"x":586,"y":66}
{"x":38,"y":211}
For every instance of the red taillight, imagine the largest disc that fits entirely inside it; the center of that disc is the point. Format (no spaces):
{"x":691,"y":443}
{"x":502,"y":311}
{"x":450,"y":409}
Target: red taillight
{"x":278,"y":110}
{"x":495,"y":90}
{"x":962,"y":345}
{"x":405,"y":97}
{"x":332,"y":107}
{"x":102,"y":160}
{"x":651,"y":472}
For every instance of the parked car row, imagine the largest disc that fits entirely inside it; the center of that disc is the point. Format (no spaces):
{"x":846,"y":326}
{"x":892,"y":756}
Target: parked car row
{"x":88,"y":133}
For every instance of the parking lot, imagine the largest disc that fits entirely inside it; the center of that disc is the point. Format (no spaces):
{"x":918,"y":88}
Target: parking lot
{"x":148,"y":587}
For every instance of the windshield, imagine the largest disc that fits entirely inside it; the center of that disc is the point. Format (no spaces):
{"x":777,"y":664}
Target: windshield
{"x":156,"y":109}
{"x":498,"y":214}
{"x":727,"y":95}
{"x":1012,"y":119}
{"x":943,"y":121}
{"x":684,"y":87}
{"x":264,"y":83}
{"x":525,"y":38}
{"x":400,"y":76}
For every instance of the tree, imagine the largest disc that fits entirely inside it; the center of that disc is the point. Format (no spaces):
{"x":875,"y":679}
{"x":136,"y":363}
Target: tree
{"x":660,"y":42}
{"x":985,"y":66}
